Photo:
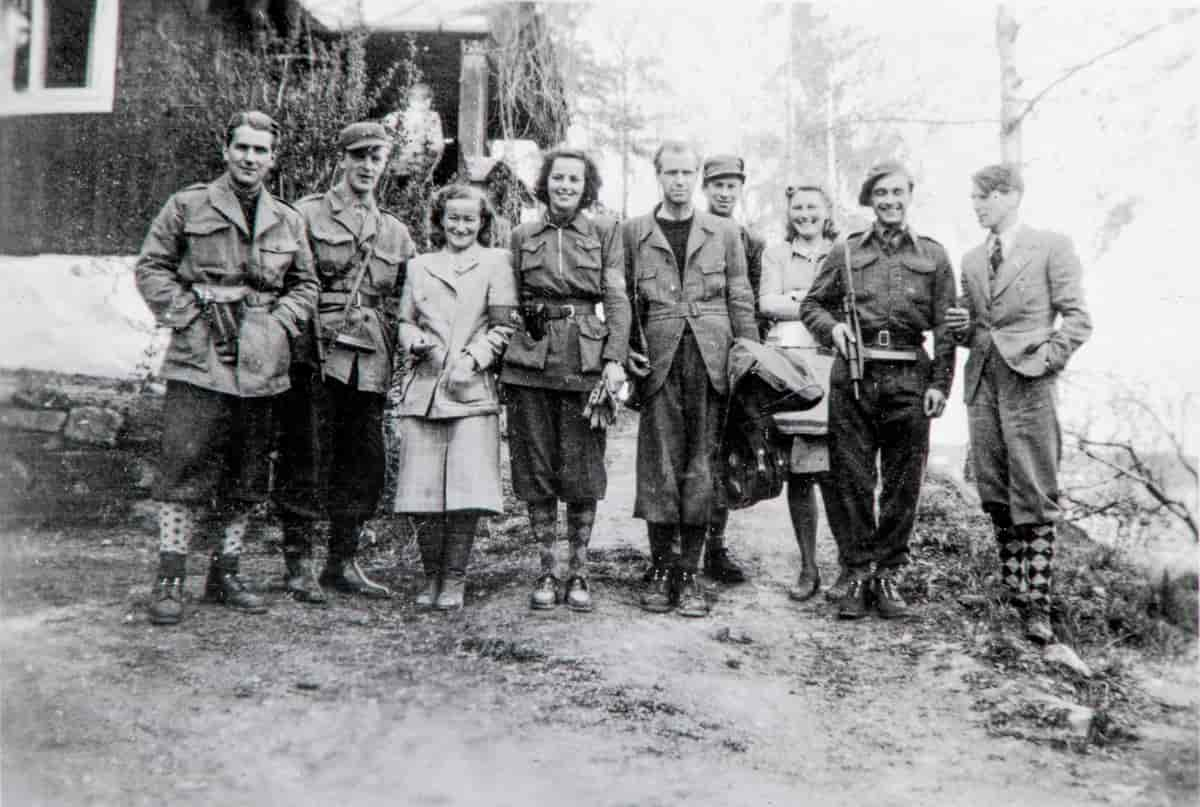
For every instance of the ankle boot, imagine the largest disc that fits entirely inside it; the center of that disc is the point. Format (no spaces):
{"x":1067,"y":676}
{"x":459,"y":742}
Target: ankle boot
{"x":300,"y":579}
{"x":225,"y":586}
{"x":342,"y":572}
{"x":428,"y":595}
{"x":450,"y":598}
{"x":166,"y":604}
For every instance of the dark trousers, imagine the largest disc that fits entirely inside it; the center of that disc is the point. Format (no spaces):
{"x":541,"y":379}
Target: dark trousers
{"x":554,"y":451}
{"x":215,"y":447}
{"x":331,"y":450}
{"x":678,"y":443}
{"x":887,"y":422}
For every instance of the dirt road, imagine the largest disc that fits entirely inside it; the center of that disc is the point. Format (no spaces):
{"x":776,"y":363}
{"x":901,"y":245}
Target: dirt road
{"x":764,"y":703}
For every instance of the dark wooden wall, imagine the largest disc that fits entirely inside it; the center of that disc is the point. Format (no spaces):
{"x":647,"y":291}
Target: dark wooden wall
{"x":89,"y":184}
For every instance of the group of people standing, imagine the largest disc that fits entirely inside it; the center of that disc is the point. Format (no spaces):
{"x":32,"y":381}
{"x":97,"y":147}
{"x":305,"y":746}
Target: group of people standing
{"x":288,"y":322}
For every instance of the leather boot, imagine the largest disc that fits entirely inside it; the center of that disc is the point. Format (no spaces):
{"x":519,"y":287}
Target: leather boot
{"x":300,"y":580}
{"x":888,"y":601}
{"x":856,"y":602}
{"x":578,"y":596}
{"x":719,"y":564}
{"x":691,"y":596}
{"x":428,"y":594}
{"x":546,"y":593}
{"x":166,"y":603}
{"x":450,"y":598}
{"x":225,"y":586}
{"x":342,"y":572}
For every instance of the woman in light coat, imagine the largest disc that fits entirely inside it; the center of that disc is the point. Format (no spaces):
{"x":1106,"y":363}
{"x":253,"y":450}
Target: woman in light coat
{"x":456,"y":317}
{"x":788,"y":270}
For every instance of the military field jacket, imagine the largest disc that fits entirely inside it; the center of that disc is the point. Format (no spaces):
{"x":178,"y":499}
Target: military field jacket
{"x":341,"y":238}
{"x":200,"y":238}
{"x":582,"y":264}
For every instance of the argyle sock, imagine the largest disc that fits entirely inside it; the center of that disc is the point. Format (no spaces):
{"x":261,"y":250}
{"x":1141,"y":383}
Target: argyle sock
{"x":1039,"y":558}
{"x":543,"y":522}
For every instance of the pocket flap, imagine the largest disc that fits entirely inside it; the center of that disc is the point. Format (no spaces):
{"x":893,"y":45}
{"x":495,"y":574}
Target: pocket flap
{"x":281,"y":244}
{"x":712,"y":267}
{"x":387,"y":254}
{"x":592,"y":327}
{"x":329,"y":234}
{"x":205,"y":226}
{"x":922,"y":265}
{"x":861,"y":259}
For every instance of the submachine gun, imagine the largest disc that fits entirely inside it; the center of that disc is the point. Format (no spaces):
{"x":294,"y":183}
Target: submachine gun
{"x":854,"y":350}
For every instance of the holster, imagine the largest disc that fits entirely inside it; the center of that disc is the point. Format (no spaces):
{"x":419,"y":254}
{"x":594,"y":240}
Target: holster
{"x":222,"y":307}
{"x":535,"y":320}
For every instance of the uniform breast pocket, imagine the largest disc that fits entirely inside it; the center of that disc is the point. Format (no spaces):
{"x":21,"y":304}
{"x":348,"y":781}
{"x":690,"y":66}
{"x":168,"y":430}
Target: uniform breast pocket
{"x":275,"y":256}
{"x":587,"y":255}
{"x":209,"y":242}
{"x":712,"y":269}
{"x":533,"y":256}
{"x":332,"y":250}
{"x":917,"y":278}
{"x":385,"y":269}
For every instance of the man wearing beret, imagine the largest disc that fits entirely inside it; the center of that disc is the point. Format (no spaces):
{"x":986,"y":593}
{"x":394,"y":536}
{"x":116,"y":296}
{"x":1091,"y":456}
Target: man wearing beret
{"x":723,"y":182}
{"x":332,"y":453}
{"x":1023,"y":316}
{"x":227,"y":268}
{"x":686,"y":273}
{"x":903,"y":284}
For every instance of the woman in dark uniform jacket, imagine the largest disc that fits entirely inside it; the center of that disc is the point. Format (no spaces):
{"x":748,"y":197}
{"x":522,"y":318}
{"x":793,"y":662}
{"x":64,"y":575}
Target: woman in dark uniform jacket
{"x":570,"y":270}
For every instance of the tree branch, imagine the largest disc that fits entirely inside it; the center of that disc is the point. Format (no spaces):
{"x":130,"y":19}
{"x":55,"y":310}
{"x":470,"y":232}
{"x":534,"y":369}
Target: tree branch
{"x":1176,"y":17}
{"x":1176,"y":508}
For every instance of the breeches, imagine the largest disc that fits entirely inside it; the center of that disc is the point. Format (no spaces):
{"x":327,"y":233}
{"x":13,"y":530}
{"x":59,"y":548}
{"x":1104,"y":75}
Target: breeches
{"x":554,"y":452}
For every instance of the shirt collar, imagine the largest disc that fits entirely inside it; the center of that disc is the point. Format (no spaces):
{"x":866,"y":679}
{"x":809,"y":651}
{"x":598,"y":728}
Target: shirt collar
{"x":814,"y":254}
{"x":579,"y":223}
{"x":1007,"y":237}
{"x":347,"y":199}
{"x":877,"y":230}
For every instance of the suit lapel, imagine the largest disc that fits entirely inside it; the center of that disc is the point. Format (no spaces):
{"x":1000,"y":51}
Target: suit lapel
{"x":1013,"y":264}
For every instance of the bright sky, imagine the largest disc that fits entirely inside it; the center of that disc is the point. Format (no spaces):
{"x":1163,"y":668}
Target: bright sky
{"x":1122,"y":129}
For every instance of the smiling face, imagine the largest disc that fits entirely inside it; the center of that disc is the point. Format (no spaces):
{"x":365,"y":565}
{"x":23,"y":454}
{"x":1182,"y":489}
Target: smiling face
{"x":995,"y":209}
{"x":677,"y":176}
{"x":362,"y":168}
{"x":462,"y":222}
{"x":723,"y":194}
{"x":565,"y":185}
{"x":250,"y":155}
{"x":807,"y":214}
{"x":889,"y":199}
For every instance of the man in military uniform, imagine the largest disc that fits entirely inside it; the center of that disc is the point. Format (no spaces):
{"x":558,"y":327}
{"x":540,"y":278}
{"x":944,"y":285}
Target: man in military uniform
{"x":724,"y":179}
{"x":227,"y":268}
{"x":686,"y":270}
{"x":1023,"y":316}
{"x":332,"y":452}
{"x":904,"y":283}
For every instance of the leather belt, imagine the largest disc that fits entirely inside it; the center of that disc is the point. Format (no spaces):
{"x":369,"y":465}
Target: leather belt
{"x":881,"y":354}
{"x":561,"y":309}
{"x":362,"y":299}
{"x":683,"y":310}
{"x":215,"y":293}
{"x":892,"y":340}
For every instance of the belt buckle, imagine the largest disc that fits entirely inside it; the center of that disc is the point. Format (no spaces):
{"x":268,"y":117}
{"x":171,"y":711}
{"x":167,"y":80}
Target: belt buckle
{"x":568,"y":310}
{"x":693,"y":309}
{"x":884,"y":338}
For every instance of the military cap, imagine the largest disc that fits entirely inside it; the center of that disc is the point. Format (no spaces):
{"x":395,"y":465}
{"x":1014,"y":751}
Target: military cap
{"x":724,"y":165}
{"x":879,"y":171}
{"x":362,"y":134}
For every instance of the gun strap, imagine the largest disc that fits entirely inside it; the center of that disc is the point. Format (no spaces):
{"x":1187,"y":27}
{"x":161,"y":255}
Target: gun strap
{"x":360,"y":266}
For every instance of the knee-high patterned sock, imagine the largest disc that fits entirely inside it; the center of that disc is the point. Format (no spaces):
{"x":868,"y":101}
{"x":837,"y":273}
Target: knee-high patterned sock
{"x":176,"y":525}
{"x":543,"y":522}
{"x":1012,"y":559}
{"x":1039,"y":560}
{"x":581,"y":517}
{"x":235,"y":533}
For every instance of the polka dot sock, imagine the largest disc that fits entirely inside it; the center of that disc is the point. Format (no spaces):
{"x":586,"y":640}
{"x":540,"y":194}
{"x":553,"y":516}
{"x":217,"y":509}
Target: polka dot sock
{"x":176,"y":523}
{"x":235,"y":533}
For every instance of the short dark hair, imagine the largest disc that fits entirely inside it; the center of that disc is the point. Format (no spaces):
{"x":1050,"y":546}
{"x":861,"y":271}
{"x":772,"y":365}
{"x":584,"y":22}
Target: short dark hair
{"x":1003,"y":177}
{"x":591,"y":177}
{"x":255,"y":120}
{"x":828,"y":230}
{"x":675,"y":147}
{"x":437,"y":209}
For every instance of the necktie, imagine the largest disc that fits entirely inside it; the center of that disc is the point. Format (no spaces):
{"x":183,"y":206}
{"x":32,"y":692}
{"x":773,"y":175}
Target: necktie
{"x":997,"y":256}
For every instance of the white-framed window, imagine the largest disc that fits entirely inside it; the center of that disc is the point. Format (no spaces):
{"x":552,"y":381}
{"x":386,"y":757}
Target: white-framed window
{"x":57,"y":56}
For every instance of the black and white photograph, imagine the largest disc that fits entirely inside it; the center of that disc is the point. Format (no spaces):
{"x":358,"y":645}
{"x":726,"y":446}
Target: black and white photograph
{"x":612,"y":403}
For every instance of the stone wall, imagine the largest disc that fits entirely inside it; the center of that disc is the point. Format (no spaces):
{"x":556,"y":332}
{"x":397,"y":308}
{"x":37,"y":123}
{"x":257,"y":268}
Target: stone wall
{"x":75,"y":449}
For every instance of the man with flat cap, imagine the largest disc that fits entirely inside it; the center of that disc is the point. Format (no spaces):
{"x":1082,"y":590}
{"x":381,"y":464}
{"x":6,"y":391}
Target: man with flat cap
{"x":686,"y":273}
{"x":332,"y":452}
{"x":903,"y":284}
{"x":227,"y":268}
{"x":1023,"y":316}
{"x":722,"y":184}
